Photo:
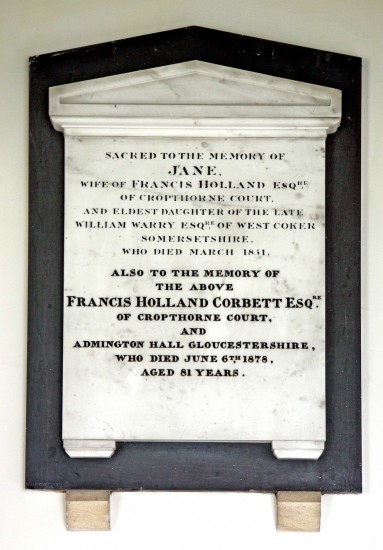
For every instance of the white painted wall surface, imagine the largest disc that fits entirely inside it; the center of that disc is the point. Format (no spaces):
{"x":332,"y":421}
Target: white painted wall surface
{"x":34,"y":520}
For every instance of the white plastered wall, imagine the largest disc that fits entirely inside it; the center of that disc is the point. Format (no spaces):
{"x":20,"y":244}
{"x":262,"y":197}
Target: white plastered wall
{"x":34,"y":520}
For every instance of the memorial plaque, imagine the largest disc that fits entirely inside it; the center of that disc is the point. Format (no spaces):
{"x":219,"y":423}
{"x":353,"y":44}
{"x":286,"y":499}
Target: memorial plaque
{"x":194,"y":282}
{"x":194,"y":308}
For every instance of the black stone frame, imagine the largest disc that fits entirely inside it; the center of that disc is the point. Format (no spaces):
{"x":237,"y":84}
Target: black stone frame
{"x":194,"y":466}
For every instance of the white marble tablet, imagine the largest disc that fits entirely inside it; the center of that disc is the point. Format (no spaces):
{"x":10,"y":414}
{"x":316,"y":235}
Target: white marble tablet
{"x":194,"y":284}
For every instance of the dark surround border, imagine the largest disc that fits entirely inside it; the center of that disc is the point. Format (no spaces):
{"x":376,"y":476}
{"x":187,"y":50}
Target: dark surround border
{"x":194,"y":466}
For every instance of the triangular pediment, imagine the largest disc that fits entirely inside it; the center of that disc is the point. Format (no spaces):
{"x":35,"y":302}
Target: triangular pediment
{"x":195,"y":92}
{"x":194,"y":83}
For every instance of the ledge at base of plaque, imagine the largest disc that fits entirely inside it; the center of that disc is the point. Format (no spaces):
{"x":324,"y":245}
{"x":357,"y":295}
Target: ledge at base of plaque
{"x":297,"y":450}
{"x":89,"y":448}
{"x":283,"y":450}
